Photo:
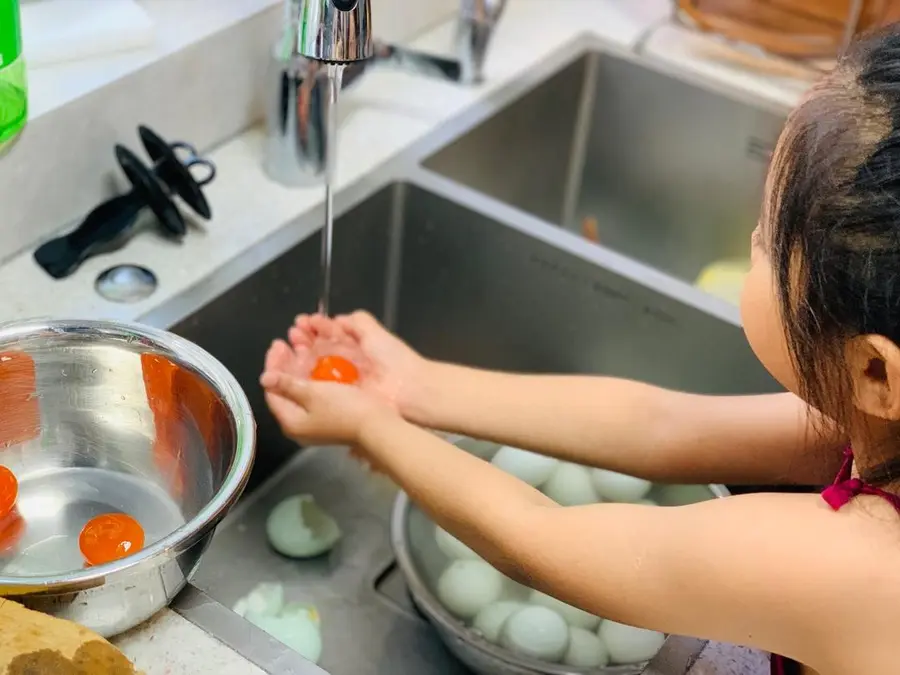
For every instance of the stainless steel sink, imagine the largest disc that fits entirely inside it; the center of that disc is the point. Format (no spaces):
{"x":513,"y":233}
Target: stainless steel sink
{"x":460,"y":251}
{"x":671,"y":171}
{"x":459,"y":279}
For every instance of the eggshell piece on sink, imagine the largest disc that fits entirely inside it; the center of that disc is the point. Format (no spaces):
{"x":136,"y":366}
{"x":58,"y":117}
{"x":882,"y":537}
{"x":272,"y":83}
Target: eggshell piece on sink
{"x":299,"y":528}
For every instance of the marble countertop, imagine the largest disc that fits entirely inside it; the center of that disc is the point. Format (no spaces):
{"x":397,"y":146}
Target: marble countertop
{"x":168,"y":644}
{"x":385,"y":113}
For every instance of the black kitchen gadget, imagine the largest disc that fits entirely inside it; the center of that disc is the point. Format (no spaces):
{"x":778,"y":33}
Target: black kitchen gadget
{"x":176,"y":172}
{"x":112,"y":224}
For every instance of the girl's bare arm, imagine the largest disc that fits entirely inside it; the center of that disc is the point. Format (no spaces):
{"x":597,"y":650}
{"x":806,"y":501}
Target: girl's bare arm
{"x":635,"y":428}
{"x":759,"y":570}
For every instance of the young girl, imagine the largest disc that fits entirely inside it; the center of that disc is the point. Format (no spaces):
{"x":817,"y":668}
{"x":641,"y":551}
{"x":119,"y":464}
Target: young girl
{"x":813,"y":578}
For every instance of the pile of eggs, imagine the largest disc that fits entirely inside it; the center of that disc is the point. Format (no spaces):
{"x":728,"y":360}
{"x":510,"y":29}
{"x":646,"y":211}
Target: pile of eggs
{"x":531,"y":623}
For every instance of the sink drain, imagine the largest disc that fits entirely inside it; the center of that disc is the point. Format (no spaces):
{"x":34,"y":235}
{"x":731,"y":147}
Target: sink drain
{"x":126,"y":283}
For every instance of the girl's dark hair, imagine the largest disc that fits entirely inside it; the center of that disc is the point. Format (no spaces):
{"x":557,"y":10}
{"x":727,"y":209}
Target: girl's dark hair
{"x":833,"y":222}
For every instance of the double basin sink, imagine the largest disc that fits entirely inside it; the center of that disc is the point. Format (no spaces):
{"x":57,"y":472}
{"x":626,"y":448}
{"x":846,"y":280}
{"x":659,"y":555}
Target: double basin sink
{"x":470,"y":247}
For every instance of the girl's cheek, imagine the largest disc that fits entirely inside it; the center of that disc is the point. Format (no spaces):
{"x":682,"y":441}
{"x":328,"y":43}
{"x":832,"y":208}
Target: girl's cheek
{"x":762,"y":324}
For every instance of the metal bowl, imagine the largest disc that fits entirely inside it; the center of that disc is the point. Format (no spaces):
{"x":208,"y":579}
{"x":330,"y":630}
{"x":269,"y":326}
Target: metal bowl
{"x":102,"y":417}
{"x":421,"y":561}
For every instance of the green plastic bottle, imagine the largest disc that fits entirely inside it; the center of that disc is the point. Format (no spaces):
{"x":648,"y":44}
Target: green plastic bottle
{"x":13,"y":84}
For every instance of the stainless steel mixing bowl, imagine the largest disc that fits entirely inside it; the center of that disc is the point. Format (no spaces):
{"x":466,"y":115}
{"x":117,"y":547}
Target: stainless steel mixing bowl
{"x":102,"y":417}
{"x":421,"y":562}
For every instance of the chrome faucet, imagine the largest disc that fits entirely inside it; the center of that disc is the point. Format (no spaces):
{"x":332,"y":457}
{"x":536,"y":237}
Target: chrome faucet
{"x":319,"y":32}
{"x":331,"y":31}
{"x":315,"y":34}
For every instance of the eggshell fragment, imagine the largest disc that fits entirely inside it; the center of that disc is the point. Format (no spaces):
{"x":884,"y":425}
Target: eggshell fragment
{"x":299,"y":528}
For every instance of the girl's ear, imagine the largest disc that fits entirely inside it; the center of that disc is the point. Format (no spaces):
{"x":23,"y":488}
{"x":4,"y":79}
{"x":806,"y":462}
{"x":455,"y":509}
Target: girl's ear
{"x":874,"y":364}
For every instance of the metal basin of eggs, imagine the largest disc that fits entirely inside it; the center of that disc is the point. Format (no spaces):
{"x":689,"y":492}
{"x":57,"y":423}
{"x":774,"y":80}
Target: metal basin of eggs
{"x":495,"y":625}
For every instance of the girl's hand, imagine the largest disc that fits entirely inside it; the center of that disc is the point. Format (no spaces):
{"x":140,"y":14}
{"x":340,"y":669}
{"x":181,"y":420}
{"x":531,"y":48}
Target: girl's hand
{"x":388,"y":367}
{"x":321,"y":413}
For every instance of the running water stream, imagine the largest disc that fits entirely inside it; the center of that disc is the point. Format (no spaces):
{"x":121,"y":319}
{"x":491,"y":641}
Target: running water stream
{"x":335,"y":73}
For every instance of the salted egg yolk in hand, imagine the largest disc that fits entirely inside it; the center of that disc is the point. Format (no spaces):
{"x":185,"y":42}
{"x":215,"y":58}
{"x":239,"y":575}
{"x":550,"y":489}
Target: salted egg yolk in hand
{"x":334,"y":369}
{"x":109,"y":537}
{"x":9,"y":491}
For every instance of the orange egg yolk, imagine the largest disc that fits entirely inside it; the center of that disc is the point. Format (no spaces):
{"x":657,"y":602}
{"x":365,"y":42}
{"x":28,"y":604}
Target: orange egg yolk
{"x":334,"y":369}
{"x":109,"y":537}
{"x":12,"y":527}
{"x":9,"y":491}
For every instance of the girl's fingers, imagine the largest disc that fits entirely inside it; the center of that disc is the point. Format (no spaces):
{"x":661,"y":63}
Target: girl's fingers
{"x":287,"y":413}
{"x":300,"y":338}
{"x":359,"y":325}
{"x":279,"y":356}
{"x":285,"y":386}
{"x":304,"y":323}
{"x":323,"y":326}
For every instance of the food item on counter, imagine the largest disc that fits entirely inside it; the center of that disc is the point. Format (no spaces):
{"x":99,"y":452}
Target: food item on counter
{"x":586,"y":649}
{"x":618,"y":487}
{"x":9,"y":491}
{"x":724,"y":279}
{"x":295,"y":625}
{"x":489,"y":621}
{"x":38,"y":643}
{"x":452,"y":547}
{"x":570,"y":485}
{"x":468,"y":586}
{"x":335,"y":369}
{"x":109,"y":537}
{"x":573,"y":616}
{"x":646,"y":502}
{"x":299,"y":528}
{"x":525,"y":465}
{"x":627,"y":644}
{"x":537,"y":632}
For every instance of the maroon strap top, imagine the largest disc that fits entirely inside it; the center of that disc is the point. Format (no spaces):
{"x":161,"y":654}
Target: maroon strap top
{"x":840,"y":492}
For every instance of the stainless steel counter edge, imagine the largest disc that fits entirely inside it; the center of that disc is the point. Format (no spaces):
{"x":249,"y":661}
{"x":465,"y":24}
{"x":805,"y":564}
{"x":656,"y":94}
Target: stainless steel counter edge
{"x":242,"y":637}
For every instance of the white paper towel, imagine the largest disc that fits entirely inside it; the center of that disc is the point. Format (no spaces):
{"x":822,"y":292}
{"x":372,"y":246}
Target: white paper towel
{"x":62,"y":31}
